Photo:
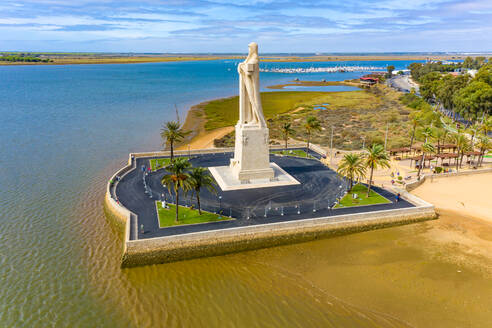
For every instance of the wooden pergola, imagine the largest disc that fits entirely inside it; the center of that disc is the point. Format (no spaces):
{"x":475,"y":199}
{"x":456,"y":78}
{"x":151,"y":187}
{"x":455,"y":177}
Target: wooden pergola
{"x":416,"y":148}
{"x":449,"y":156}
{"x":402,"y":150}
{"x":419,"y":158}
{"x":472,"y":154}
{"x":446,"y":147}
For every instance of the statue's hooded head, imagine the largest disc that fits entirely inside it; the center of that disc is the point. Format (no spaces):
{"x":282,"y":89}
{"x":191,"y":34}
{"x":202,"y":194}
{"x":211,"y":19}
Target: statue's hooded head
{"x":253,"y":48}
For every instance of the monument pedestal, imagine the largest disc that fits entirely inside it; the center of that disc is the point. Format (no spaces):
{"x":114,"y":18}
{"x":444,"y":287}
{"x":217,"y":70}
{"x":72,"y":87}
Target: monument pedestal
{"x":251,"y":153}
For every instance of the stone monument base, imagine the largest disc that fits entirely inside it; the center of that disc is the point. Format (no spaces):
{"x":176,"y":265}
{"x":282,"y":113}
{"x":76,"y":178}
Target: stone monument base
{"x":227,"y":180}
{"x":251,"y":153}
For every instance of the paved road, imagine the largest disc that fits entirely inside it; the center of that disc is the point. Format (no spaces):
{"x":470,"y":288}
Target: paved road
{"x":319,"y":188}
{"x":403,"y":83}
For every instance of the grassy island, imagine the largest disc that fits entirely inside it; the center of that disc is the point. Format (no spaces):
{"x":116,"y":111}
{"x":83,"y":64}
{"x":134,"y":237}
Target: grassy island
{"x":374,"y":198}
{"x":186,"y":216}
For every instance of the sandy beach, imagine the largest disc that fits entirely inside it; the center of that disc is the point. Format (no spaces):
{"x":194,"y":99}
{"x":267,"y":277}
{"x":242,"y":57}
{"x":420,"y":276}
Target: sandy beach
{"x":465,"y":216}
{"x":468,"y":195}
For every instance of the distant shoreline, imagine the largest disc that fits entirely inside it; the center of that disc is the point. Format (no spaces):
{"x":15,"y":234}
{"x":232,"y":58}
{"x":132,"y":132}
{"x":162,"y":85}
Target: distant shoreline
{"x":137,"y":59}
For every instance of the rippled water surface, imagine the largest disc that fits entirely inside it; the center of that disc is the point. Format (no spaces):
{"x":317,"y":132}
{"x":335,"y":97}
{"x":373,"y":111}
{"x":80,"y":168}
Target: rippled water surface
{"x":64,"y":130}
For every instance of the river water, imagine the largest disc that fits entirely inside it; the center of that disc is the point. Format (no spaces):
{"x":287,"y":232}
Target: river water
{"x":65,"y":129}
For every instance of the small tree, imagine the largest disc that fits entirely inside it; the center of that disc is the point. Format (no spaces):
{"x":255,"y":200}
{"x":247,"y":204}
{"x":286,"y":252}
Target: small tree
{"x":199,"y":178}
{"x":390,"y":69}
{"x":312,"y":124}
{"x":352,"y":166}
{"x":177,"y":179}
{"x":172,"y":133}
{"x":286,"y":132}
{"x":375,"y":157}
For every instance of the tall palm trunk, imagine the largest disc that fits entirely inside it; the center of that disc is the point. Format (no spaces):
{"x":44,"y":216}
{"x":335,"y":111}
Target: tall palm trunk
{"x":172,"y":150}
{"x":457,"y":159}
{"x":421,"y":163}
{"x":286,"y":139}
{"x":308,"y":139}
{"x":413,"y":136}
{"x":370,"y":180}
{"x":198,"y":201}
{"x":177,"y":204}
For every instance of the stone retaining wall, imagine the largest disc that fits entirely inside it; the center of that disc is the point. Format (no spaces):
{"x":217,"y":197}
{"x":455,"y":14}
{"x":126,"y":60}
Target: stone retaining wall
{"x":219,"y":242}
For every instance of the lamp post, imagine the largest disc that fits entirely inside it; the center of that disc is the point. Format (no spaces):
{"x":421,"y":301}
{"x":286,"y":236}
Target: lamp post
{"x":220,"y":203}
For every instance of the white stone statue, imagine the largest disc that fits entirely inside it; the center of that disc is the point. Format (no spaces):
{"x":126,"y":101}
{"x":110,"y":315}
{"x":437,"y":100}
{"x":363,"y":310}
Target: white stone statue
{"x":251,"y":152}
{"x":250,"y":110}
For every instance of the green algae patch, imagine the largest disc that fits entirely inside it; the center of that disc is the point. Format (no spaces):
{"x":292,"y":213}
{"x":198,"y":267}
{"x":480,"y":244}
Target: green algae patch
{"x":167,"y":216}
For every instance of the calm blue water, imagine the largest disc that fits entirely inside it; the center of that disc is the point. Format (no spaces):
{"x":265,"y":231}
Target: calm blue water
{"x":63,"y":131}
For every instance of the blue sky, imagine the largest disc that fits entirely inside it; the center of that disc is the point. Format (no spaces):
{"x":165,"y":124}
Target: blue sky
{"x":229,"y":25}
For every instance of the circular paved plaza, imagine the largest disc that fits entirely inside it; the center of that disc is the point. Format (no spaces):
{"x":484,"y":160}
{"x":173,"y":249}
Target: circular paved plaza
{"x":318,"y":189}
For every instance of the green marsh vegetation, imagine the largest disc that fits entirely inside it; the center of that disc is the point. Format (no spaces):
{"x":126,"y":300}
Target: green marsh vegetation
{"x":355,"y":115}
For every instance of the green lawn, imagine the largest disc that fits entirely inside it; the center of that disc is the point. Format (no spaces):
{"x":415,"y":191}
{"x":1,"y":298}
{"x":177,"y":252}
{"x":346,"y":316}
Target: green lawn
{"x":293,"y":152}
{"x":362,"y":199}
{"x":186,"y":216}
{"x":158,"y":163}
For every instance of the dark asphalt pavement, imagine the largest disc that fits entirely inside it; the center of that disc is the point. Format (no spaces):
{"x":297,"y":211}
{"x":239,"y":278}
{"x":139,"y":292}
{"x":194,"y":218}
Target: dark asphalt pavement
{"x":319,"y":189}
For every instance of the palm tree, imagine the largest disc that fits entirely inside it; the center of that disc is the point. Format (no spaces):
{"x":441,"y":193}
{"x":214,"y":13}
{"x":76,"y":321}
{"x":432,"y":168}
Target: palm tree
{"x":472,"y":130}
{"x":484,"y":144}
{"x":352,"y":166}
{"x":427,"y":148}
{"x":286,"y":132}
{"x":440,"y":134}
{"x":171,"y":133}
{"x":461,"y":144}
{"x":486,"y":125}
{"x":312,"y":124}
{"x":428,"y":133}
{"x":198,"y":179}
{"x":416,"y":120}
{"x":177,"y":179}
{"x":375,"y":157}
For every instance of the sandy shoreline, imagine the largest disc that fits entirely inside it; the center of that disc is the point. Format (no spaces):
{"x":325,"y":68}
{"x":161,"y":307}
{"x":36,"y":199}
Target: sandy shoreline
{"x":199,"y":138}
